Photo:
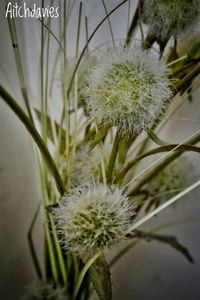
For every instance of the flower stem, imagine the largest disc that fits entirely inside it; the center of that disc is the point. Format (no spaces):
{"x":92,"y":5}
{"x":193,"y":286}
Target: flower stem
{"x":169,"y":157}
{"x":84,"y":271}
{"x":113,"y":156}
{"x":18,"y":61}
{"x":163,"y":206}
{"x":161,"y":166}
{"x":51,"y":253}
{"x":130,"y":164}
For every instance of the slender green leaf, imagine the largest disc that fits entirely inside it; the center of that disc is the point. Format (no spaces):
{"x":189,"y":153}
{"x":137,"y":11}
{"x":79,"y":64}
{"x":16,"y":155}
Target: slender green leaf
{"x":99,"y":136}
{"x":156,"y":139}
{"x":170,"y":240}
{"x":49,"y":128}
{"x":99,"y":274}
{"x":166,"y":148}
{"x":12,"y":103}
{"x":194,"y":51}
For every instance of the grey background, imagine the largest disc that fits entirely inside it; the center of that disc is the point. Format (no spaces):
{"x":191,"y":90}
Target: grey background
{"x":149,"y":270}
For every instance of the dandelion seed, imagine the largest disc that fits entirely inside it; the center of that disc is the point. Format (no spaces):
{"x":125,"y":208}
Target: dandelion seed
{"x":93,"y":216}
{"x":127,"y":88}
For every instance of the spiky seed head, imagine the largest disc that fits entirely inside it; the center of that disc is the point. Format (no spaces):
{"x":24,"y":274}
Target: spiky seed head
{"x":93,"y":216}
{"x":167,"y":17}
{"x":168,"y":180}
{"x":127,"y":88}
{"x":86,"y":167}
{"x":42,"y":291}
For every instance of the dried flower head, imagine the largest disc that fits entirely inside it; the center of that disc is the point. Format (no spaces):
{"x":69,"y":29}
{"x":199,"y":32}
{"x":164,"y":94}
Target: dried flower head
{"x":127,"y":88}
{"x":43,"y":291}
{"x":167,"y":17}
{"x":167,"y":183}
{"x":86,"y":166}
{"x":93,"y":216}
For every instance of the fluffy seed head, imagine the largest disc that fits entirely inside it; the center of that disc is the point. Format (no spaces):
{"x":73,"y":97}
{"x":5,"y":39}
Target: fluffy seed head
{"x":86,"y":166}
{"x":169,"y":179}
{"x":167,"y":17}
{"x":93,"y":216}
{"x":127,"y":88}
{"x":166,"y":184}
{"x":42,"y":290}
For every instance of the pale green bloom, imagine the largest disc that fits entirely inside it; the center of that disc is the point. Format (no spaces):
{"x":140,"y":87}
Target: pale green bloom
{"x":166,"y":184}
{"x":86,"y":166}
{"x":169,"y":179}
{"x":93,"y":216}
{"x":127,"y":88}
{"x":167,"y":17}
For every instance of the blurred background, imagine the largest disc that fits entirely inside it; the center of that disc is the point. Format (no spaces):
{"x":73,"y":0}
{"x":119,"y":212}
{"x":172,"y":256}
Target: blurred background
{"x":150,"y":270}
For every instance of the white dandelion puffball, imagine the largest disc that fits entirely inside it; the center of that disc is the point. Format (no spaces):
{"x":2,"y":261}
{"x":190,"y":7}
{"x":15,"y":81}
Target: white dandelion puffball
{"x":167,"y":17}
{"x":93,"y":217}
{"x":86,"y":167}
{"x":127,"y":88}
{"x":42,"y":290}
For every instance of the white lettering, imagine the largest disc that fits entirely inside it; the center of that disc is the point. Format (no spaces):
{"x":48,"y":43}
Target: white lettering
{"x":9,"y":10}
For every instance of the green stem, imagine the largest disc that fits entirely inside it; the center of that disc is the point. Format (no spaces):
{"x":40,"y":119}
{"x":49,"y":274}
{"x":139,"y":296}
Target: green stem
{"x":10,"y":101}
{"x":31,"y":244}
{"x":84,"y":271}
{"x":51,"y":253}
{"x":161,"y":166}
{"x":18,"y":61}
{"x":61,"y":261}
{"x":185,"y":82}
{"x":109,"y":23}
{"x":113,"y":157}
{"x":133,"y":25}
{"x":166,"y":148}
{"x":163,"y":206}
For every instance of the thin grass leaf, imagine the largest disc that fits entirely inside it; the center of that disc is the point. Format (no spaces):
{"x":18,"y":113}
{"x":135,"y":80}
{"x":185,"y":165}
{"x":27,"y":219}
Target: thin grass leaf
{"x":133,"y":25}
{"x":99,"y":136}
{"x":86,"y":45}
{"x":109,"y":23}
{"x":156,"y":139}
{"x":31,"y":244}
{"x":167,"y":148}
{"x":19,"y":66}
{"x":183,"y":84}
{"x":49,"y":127}
{"x":113,"y":156}
{"x":99,"y":273}
{"x":53,"y":34}
{"x":170,"y":240}
{"x":122,"y":253}
{"x":194,"y":51}
{"x":12,"y":103}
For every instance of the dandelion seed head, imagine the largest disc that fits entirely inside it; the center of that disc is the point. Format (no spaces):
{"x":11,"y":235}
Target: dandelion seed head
{"x":127,"y":88}
{"x":93,"y":216}
{"x":86,"y":166}
{"x":169,"y":179}
{"x":165,"y":185}
{"x":167,"y":17}
{"x":42,"y":291}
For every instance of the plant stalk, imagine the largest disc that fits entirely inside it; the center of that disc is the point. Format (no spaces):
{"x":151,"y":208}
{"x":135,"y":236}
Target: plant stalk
{"x":11,"y":102}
